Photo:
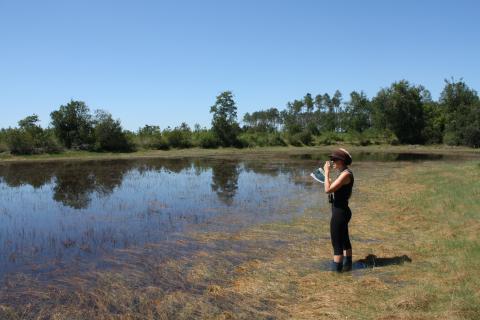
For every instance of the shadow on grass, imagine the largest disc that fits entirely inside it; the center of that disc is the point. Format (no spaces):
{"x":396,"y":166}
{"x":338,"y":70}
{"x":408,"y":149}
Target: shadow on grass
{"x":372,"y":261}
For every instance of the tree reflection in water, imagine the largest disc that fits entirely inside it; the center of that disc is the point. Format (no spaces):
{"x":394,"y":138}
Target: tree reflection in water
{"x":37,"y":175}
{"x":75,"y":182}
{"x":225,"y":180}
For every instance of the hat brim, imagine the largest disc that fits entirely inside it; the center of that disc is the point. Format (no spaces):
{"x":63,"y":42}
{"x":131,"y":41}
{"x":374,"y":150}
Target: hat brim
{"x":336,"y":158}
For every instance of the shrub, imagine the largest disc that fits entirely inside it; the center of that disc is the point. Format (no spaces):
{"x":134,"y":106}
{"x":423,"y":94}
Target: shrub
{"x":20,"y":142}
{"x":294,"y":140}
{"x":276,"y":139}
{"x":472,"y":136}
{"x":328,"y":138}
{"x":300,"y":138}
{"x":159,"y":142}
{"x":391,"y":138}
{"x":179,"y":137}
{"x":3,"y":141}
{"x":356,"y":138}
{"x":374,"y":136}
{"x":471,"y":131}
{"x":248,"y":140}
{"x":450,"y":138}
{"x":109,"y":135}
{"x":306,"y":137}
{"x":23,"y":141}
{"x":3,"y":146}
{"x":261,"y":139}
{"x":150,"y":137}
{"x":206,"y":139}
{"x":48,"y":142}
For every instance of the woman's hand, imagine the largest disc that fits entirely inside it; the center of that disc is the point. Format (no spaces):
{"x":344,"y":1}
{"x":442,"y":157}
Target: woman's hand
{"x":326,"y":168}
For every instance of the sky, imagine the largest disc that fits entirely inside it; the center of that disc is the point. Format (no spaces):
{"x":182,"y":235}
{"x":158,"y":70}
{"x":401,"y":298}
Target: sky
{"x":164,"y":62}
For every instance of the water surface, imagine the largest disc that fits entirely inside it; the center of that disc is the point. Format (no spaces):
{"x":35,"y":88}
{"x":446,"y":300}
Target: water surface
{"x":53,"y":214}
{"x":61,"y":215}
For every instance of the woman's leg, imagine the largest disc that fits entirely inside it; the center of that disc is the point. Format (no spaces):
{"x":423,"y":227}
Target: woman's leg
{"x":337,"y":227}
{"x":347,"y":246}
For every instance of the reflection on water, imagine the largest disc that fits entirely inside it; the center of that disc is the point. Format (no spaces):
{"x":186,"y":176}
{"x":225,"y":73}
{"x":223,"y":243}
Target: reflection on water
{"x":73,"y":183}
{"x":63,"y":212}
{"x":225,"y":180}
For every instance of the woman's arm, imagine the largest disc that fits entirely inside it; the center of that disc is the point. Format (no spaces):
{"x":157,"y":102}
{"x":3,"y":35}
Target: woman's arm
{"x":344,"y":178}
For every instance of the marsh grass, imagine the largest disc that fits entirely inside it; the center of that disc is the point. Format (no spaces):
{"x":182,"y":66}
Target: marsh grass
{"x":245,"y":153}
{"x":427,"y":212}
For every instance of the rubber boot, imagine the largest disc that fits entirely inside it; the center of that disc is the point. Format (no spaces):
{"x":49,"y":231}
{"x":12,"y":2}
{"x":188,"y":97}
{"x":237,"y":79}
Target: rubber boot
{"x":347,"y":263}
{"x":337,"y":266}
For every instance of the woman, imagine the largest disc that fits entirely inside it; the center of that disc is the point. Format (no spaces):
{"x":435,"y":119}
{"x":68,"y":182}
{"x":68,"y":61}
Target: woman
{"x":339,"y":192}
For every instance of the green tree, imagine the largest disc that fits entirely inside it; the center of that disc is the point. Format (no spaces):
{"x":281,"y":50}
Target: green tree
{"x":149,"y":130}
{"x":357,"y":112}
{"x":3,"y":140}
{"x":290,"y":119}
{"x":224,"y":122}
{"x":308,"y":102}
{"x":319,"y":103}
{"x":30,"y":138}
{"x":434,"y":122}
{"x":402,"y":107}
{"x":328,"y":117}
{"x":30,"y":124}
{"x":73,"y":125}
{"x":461,"y":105}
{"x":109,"y":135}
{"x":297,"y":106}
{"x":336,"y":103}
{"x":456,"y":94}
{"x":262,"y":121}
{"x":311,"y":124}
{"x":472,"y":131}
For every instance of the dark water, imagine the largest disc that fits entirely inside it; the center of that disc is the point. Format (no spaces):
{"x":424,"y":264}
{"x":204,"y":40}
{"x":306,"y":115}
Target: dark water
{"x":59,"y":214}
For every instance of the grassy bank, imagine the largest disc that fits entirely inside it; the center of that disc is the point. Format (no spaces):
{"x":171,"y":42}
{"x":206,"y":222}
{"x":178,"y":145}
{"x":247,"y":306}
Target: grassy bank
{"x":416,"y":226}
{"x":199,"y":152}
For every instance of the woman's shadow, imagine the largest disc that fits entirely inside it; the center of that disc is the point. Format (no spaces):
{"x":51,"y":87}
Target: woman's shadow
{"x":372,"y":261}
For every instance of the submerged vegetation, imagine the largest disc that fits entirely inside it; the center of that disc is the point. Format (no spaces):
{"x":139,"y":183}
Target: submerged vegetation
{"x":400,"y":114}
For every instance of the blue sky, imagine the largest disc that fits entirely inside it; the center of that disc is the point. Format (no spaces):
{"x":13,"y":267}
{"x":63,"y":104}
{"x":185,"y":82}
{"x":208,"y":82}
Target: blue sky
{"x":159,"y":62}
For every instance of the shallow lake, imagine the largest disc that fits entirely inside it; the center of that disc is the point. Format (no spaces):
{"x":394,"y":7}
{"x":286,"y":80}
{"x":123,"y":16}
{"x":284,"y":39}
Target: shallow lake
{"x":61,"y":215}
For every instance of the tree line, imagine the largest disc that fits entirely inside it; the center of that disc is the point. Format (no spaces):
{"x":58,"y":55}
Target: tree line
{"x":402,"y":113}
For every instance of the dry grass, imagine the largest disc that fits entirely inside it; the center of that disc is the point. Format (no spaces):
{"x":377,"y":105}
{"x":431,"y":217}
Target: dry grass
{"x":276,"y":271}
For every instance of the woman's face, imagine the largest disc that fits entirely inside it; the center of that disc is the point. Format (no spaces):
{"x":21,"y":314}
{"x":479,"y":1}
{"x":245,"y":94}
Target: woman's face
{"x":337,"y":164}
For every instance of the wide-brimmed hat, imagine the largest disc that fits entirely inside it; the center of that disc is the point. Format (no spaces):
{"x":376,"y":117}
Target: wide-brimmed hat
{"x":341,"y":154}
